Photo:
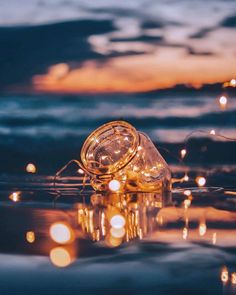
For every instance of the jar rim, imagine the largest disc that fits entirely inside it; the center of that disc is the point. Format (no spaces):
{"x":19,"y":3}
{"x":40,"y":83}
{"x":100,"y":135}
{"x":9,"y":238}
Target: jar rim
{"x":98,"y":132}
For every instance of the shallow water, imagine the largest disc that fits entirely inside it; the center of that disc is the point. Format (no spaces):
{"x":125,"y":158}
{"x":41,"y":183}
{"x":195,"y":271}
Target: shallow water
{"x":171,"y":244}
{"x":179,"y":243}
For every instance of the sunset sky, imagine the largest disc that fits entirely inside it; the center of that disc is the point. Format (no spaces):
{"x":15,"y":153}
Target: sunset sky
{"x":115,"y":46}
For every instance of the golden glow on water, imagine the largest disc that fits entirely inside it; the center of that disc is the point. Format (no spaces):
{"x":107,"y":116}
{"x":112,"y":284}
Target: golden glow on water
{"x":60,"y":257}
{"x":117,"y":232}
{"x":31,"y":168}
{"x":61,"y":233}
{"x":30,"y":237}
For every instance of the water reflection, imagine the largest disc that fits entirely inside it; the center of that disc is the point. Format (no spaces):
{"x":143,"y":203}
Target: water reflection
{"x":68,"y":228}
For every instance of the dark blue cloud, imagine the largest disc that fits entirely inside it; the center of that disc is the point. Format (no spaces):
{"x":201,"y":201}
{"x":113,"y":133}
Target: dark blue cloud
{"x":29,"y":50}
{"x":229,"y":22}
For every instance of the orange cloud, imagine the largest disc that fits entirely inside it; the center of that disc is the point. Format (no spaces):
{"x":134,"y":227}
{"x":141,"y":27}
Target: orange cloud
{"x":163,"y":69}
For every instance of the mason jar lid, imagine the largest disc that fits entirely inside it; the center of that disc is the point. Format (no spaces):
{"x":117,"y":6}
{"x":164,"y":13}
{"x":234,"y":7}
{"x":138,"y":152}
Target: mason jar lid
{"x":109,"y":148}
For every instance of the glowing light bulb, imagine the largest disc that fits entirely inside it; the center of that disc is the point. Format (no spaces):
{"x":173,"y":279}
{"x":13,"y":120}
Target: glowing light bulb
{"x":223,"y":101}
{"x":60,"y":257}
{"x":114,"y":185}
{"x":224,"y":275}
{"x":30,"y":237}
{"x":15,"y":197}
{"x":186,"y":178}
{"x":31,"y":168}
{"x":232,"y":83}
{"x":80,"y":171}
{"x":212,"y":132}
{"x":117,"y":221}
{"x":201,"y":181}
{"x":183,"y":153}
{"x":61,"y":233}
{"x":187,"y":192}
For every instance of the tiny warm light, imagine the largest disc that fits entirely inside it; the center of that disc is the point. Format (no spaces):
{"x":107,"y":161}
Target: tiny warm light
{"x":183,"y":153}
{"x":186,"y":177}
{"x":202,"y":228}
{"x":60,"y":257}
{"x":31,"y":168}
{"x":114,"y":185}
{"x":212,"y":132}
{"x":117,"y":221}
{"x":117,"y":232}
{"x":223,"y":101}
{"x":80,"y":171}
{"x":201,"y":181}
{"x":224,"y":275}
{"x":15,"y":197}
{"x":233,"y":278}
{"x":232,"y":83}
{"x":187,"y":192}
{"x":30,"y":237}
{"x":61,"y":233}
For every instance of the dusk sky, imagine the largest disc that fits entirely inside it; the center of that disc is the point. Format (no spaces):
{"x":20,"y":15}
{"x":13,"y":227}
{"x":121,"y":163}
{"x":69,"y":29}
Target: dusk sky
{"x":115,"y":46}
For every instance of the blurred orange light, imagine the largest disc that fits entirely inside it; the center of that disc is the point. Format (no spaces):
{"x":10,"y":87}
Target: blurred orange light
{"x":224,"y":275}
{"x":60,"y":257}
{"x":201,"y":181}
{"x":183,"y":153}
{"x":223,"y":101}
{"x":31,"y":168}
{"x":212,"y":132}
{"x":30,"y":237}
{"x":15,"y":197}
{"x":117,"y":232}
{"x":187,"y":192}
{"x":233,"y":278}
{"x":61,"y":233}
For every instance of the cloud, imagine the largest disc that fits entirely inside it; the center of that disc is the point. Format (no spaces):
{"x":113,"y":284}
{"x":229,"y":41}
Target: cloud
{"x":202,"y":33}
{"x":29,"y":50}
{"x":141,"y":38}
{"x":192,"y":51}
{"x":158,"y":24}
{"x":229,"y":22}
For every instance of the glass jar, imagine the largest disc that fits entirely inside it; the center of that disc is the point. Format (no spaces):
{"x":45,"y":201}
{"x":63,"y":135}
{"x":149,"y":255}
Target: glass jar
{"x":117,"y":151}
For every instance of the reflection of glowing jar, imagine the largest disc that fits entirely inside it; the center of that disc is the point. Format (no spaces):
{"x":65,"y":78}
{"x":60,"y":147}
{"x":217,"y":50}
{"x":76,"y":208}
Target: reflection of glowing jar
{"x":118,"y":151}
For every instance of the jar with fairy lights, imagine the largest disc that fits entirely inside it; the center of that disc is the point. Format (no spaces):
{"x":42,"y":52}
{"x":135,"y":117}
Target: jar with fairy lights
{"x":119,"y":158}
